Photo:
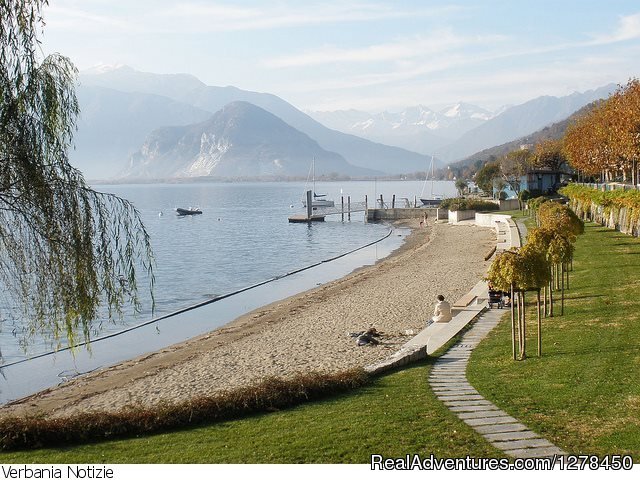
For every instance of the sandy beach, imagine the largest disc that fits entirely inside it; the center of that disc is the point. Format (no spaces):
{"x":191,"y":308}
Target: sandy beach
{"x":304,"y":333}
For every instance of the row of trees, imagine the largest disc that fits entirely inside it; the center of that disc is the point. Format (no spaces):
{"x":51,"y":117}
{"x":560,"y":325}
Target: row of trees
{"x":540,"y":266}
{"x":606,"y":141}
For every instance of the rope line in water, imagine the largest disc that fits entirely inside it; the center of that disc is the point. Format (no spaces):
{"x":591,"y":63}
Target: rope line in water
{"x":198,"y":305}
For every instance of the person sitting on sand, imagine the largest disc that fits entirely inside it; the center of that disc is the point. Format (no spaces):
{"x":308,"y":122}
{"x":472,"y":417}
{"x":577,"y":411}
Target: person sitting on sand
{"x":367,"y":338}
{"x":442,"y":312}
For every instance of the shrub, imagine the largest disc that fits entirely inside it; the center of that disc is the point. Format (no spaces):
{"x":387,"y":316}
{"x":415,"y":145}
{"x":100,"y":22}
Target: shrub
{"x":455,"y":204}
{"x":269,"y":395}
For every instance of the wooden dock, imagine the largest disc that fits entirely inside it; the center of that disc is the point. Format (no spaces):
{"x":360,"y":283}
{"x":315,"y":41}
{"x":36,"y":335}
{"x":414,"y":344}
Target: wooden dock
{"x":302,"y":218}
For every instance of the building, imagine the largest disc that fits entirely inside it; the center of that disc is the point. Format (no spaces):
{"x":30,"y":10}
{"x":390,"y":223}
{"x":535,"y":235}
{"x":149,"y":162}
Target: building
{"x":543,"y":181}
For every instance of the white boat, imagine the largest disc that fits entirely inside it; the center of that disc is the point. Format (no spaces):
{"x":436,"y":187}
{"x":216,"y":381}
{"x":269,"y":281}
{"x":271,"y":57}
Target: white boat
{"x":434,"y":199}
{"x":318,"y":200}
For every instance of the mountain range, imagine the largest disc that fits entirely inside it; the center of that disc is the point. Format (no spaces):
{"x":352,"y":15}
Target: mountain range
{"x":554,"y":131}
{"x":188,"y":92}
{"x":418,"y":128}
{"x":241,"y":140}
{"x":461,"y":129}
{"x":521,"y":120}
{"x":129,"y":120}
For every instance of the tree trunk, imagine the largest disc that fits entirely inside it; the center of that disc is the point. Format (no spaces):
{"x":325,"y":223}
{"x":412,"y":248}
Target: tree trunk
{"x":523,"y":353}
{"x":539,"y":326}
{"x":544,"y":293}
{"x":550,"y":301}
{"x":562,"y":298}
{"x":513,"y":323}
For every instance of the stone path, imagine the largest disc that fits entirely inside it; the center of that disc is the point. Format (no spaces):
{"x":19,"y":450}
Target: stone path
{"x":449,"y":382}
{"x":522,"y":228}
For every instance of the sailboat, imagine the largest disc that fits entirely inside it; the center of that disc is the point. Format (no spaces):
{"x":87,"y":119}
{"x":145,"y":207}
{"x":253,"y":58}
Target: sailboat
{"x":433,"y":200}
{"x":319,"y":200}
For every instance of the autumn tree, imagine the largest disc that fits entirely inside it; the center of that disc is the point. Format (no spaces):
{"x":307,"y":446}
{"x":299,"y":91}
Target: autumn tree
{"x":623,"y":112}
{"x":518,"y":271}
{"x":549,"y":154}
{"x":66,"y":250}
{"x":513,"y":166}
{"x":606,"y":141}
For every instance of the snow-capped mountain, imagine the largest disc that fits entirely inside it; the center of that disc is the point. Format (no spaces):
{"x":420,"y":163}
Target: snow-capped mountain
{"x":463,"y":110}
{"x":417,"y":128}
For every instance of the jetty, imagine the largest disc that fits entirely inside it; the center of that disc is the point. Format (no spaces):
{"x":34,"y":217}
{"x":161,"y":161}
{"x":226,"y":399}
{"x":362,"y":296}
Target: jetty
{"x":400,"y":208}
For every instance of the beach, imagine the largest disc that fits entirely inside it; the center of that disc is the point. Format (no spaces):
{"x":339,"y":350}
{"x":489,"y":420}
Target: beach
{"x":308,"y":332}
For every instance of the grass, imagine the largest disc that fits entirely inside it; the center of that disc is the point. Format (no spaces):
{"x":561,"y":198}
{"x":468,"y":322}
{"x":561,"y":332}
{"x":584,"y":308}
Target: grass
{"x":583,"y":394}
{"x":395,"y":415}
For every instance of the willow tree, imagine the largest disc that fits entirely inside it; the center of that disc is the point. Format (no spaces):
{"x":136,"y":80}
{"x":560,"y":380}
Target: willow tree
{"x":66,"y":251}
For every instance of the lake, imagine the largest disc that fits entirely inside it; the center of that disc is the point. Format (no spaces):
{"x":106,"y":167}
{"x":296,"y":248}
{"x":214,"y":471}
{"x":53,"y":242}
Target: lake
{"x":242,"y":238}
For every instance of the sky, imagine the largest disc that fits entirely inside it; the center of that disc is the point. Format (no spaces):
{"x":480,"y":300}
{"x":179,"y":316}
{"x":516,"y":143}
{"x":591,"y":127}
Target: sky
{"x":364,"y":55}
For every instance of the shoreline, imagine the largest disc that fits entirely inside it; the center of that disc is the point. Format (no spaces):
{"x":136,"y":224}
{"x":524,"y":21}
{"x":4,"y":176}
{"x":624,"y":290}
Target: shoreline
{"x":305,"y":332}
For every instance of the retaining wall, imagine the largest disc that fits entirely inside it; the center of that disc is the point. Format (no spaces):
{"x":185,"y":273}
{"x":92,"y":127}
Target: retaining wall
{"x":378,"y":214}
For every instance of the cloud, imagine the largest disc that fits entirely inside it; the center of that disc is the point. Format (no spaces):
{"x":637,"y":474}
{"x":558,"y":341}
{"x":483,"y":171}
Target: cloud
{"x":628,"y":29}
{"x":218,"y":17}
{"x":74,"y":20}
{"x":491,"y":87}
{"x":419,"y":46}
{"x":175,"y":17}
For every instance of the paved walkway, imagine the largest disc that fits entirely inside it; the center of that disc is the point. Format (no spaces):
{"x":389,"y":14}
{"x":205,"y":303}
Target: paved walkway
{"x":522,"y":228}
{"x":448,"y":381}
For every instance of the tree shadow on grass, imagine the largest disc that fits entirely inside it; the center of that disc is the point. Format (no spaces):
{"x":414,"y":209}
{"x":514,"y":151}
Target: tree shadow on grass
{"x":591,"y":351}
{"x":580,"y":297}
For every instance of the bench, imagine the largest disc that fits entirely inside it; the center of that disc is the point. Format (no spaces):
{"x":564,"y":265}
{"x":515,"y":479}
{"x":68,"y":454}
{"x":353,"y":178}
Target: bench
{"x":441,"y":336}
{"x":465,"y":300}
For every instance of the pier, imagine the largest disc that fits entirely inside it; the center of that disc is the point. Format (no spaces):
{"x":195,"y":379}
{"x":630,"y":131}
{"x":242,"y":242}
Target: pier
{"x":398,"y":208}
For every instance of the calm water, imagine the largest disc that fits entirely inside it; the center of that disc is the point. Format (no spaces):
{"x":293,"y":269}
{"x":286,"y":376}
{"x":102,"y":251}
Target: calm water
{"x":242,"y":238}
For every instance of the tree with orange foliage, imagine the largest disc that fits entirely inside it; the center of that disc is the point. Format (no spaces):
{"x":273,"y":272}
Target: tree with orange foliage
{"x":606,"y":141}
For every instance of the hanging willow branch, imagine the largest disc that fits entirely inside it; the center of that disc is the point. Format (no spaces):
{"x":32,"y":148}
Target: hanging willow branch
{"x":65,"y":249}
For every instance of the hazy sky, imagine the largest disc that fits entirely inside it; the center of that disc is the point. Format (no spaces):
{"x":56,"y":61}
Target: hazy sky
{"x":369,"y":55}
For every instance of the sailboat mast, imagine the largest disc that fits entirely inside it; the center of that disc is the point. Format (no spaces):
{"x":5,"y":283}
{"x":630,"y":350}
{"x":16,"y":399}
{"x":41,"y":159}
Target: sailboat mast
{"x":432,"y":172}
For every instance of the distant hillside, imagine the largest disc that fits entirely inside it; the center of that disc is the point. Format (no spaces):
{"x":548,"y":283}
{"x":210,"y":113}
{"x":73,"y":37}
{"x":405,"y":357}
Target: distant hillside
{"x":552,"y":132}
{"x":113,"y":124}
{"x":240,"y":140}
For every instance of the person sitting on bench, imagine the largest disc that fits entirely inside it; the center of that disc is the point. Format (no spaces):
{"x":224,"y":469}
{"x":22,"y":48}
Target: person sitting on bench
{"x":442,"y":312}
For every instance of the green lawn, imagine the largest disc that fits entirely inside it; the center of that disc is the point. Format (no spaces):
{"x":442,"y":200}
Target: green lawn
{"x":584,"y":393}
{"x":396,"y":415}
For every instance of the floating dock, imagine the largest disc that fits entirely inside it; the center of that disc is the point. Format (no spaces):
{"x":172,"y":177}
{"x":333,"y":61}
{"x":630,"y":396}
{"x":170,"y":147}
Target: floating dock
{"x":302,"y":218}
